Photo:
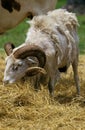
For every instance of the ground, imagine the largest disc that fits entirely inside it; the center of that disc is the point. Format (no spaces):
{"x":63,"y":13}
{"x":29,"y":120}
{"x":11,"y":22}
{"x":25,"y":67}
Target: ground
{"x":22,"y":108}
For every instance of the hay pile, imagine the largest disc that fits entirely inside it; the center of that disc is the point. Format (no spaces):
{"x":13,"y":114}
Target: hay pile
{"x":21,"y":108}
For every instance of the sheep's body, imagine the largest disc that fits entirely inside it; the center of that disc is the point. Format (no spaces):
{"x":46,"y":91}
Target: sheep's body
{"x":56,"y":34}
{"x":56,"y":30}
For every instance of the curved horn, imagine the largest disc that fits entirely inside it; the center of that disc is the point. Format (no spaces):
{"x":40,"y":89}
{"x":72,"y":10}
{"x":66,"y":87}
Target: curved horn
{"x":31,"y":50}
{"x":9,"y":48}
{"x":35,"y":70}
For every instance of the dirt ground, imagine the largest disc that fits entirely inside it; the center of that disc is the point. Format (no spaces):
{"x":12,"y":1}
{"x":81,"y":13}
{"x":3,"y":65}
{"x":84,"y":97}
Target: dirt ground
{"x":22,"y":108}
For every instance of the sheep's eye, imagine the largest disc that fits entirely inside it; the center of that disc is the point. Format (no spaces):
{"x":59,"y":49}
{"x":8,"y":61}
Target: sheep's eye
{"x":14,"y":67}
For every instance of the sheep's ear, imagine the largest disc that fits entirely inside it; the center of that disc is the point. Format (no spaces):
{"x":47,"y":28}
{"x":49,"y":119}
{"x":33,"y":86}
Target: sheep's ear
{"x":8,"y":47}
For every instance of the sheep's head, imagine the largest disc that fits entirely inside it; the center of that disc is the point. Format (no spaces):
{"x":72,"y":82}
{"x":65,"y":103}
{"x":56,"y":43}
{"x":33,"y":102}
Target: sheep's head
{"x":22,"y":61}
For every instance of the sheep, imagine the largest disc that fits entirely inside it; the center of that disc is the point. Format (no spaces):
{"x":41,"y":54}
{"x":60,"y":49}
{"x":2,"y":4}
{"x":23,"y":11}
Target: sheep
{"x":56,"y":35}
{"x":12,"y":12}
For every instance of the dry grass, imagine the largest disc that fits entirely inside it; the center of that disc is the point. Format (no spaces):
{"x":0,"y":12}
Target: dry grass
{"x":22,"y":108}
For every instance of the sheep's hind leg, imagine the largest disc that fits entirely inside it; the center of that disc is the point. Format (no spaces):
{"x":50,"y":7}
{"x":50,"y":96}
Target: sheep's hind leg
{"x":76,"y":77}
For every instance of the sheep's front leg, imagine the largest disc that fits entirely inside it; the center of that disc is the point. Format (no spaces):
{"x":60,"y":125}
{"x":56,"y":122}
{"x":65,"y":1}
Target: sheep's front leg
{"x":53,"y":72}
{"x":52,"y":81}
{"x":37,"y":83}
{"x":76,"y":77}
{"x":51,"y":87}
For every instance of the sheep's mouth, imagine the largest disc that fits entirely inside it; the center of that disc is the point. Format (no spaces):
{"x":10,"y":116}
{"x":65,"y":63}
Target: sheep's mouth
{"x":6,"y":82}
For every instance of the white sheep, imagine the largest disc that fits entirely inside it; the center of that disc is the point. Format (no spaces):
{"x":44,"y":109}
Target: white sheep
{"x":55,"y":35}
